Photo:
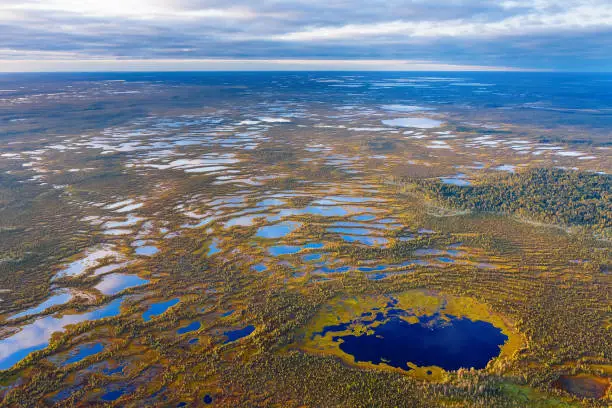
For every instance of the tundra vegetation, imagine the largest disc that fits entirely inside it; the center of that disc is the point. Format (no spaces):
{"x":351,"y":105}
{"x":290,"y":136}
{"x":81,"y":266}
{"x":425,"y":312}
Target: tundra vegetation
{"x":213,"y":243}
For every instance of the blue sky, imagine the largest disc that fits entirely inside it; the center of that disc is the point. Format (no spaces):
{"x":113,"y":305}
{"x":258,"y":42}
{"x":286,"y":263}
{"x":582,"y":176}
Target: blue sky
{"x":305,"y":34}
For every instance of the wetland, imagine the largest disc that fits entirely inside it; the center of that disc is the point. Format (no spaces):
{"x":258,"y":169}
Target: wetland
{"x":274,"y":239}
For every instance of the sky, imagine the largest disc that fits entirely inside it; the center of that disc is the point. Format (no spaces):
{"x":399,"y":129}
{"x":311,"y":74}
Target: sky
{"x":103,"y":35}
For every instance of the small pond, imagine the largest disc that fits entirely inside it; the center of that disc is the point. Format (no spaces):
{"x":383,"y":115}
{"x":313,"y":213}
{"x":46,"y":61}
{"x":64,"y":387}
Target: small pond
{"x":584,"y":385}
{"x":233,"y":335}
{"x":277,"y":230}
{"x":189,"y":328}
{"x":157,"y":309}
{"x":116,"y":282}
{"x":147,"y":250}
{"x":82,"y":352}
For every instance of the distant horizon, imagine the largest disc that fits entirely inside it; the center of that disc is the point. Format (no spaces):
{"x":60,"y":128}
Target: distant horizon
{"x":248,"y":65}
{"x":298,"y":71}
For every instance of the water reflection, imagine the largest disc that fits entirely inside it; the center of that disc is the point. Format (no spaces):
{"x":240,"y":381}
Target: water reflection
{"x":116,"y":282}
{"x":157,"y":309}
{"x":62,"y":297}
{"x":35,"y":336}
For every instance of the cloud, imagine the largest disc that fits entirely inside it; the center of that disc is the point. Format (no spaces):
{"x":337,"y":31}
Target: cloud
{"x":559,"y":34}
{"x":585,"y":17}
{"x":129,"y":9}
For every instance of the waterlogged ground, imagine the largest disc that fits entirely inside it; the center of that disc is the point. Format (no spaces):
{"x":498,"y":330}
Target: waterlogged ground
{"x":245,"y":240}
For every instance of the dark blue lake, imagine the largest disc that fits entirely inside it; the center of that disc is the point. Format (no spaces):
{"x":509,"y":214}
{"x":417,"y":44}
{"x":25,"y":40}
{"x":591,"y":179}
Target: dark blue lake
{"x":453,"y":344}
{"x":112,"y":395}
{"x":189,"y":328}
{"x":233,"y":335}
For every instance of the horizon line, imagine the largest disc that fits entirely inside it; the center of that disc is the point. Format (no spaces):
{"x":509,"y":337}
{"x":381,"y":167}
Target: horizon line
{"x":243,"y":65}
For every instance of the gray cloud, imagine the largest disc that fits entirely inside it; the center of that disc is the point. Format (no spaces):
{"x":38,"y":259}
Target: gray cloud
{"x":530,"y":34}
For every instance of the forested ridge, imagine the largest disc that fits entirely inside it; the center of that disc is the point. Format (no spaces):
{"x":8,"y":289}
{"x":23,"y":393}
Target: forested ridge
{"x":548,"y":195}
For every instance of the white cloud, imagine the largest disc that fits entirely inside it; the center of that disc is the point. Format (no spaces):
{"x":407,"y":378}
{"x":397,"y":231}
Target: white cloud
{"x":582,"y":17}
{"x":566,"y":34}
{"x":129,"y":9}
